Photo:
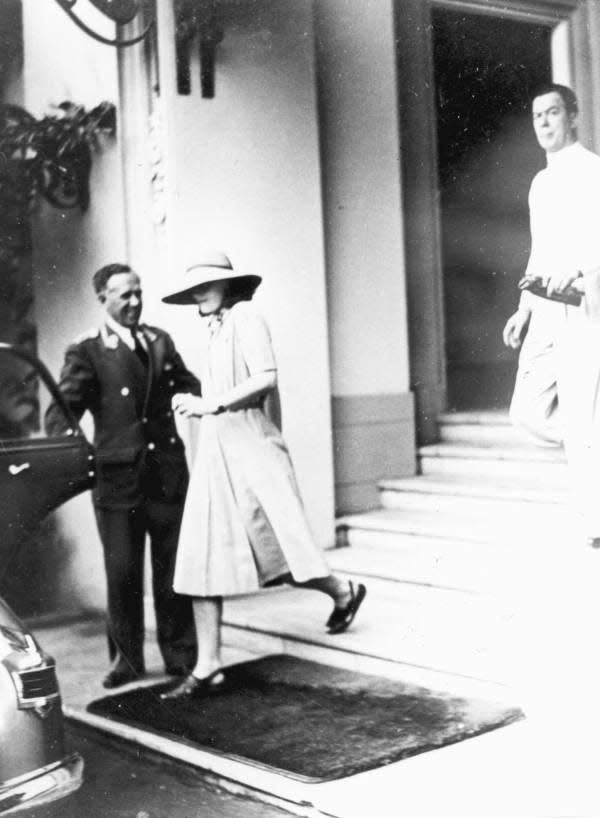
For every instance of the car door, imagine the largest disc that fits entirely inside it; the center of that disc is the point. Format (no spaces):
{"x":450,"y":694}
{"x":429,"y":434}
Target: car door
{"x":37,"y":472}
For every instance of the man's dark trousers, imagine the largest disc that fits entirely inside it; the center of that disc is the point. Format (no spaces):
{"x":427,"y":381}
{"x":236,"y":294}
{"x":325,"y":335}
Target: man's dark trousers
{"x":123,"y":534}
{"x":142,"y":479}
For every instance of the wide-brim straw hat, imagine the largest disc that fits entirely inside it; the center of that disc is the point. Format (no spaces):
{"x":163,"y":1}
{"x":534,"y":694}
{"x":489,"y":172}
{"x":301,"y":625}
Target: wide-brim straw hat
{"x":211,"y":266}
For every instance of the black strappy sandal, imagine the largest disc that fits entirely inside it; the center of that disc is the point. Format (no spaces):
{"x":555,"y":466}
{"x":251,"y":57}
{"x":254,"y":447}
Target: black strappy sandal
{"x":341,"y":618}
{"x":194,"y":688}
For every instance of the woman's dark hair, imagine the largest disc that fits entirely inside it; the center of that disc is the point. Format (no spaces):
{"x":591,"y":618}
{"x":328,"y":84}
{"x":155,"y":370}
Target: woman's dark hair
{"x":566,"y":94}
{"x":239,"y":289}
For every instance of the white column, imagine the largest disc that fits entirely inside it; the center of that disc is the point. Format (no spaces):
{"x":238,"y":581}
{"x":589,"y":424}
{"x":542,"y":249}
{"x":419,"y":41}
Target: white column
{"x":373,"y":411}
{"x":133,"y":126}
{"x":585,"y":44}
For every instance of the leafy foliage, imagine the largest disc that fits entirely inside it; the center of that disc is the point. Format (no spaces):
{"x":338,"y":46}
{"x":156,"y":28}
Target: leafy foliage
{"x":52,"y":156}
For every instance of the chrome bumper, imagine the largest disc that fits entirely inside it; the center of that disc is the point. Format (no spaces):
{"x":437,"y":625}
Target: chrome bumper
{"x":44,"y":784}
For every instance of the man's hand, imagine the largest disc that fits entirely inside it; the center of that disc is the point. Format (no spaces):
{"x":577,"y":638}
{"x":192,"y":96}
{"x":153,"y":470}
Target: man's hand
{"x":515,"y":329}
{"x":560,"y":282}
{"x":191,"y":406}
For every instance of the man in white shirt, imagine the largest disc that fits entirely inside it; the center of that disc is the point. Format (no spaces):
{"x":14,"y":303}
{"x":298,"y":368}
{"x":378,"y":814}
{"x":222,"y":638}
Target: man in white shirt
{"x":557,"y":390}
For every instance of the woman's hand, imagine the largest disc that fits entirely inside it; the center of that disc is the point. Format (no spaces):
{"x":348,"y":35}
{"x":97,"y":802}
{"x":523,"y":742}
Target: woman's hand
{"x":191,"y":406}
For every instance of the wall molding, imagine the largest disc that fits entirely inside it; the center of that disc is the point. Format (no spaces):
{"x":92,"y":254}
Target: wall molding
{"x":350,"y":410}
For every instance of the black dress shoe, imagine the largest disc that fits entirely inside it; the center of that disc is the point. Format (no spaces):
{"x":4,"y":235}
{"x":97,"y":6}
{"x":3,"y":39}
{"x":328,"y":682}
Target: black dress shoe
{"x":341,"y":618}
{"x":194,"y":688}
{"x":121,"y":675}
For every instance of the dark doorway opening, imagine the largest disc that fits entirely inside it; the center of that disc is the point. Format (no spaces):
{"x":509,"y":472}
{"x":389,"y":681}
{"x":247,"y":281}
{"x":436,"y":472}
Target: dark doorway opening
{"x":486,"y":69}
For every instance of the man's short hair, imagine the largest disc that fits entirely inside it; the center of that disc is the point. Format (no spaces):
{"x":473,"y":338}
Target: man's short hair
{"x":567,"y":95}
{"x":101,"y":276}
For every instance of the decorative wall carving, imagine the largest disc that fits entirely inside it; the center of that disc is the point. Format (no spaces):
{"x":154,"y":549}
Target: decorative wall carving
{"x":157,"y":169}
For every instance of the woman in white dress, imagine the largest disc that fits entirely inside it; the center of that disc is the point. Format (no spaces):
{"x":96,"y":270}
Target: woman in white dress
{"x":243,"y":525}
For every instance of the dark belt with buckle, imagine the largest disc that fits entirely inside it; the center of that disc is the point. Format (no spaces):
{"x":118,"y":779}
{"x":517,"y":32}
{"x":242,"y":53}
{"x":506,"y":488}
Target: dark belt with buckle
{"x":536,"y":285}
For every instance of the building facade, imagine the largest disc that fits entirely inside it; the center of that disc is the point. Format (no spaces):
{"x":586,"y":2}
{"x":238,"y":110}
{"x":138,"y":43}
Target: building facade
{"x":369,"y":159}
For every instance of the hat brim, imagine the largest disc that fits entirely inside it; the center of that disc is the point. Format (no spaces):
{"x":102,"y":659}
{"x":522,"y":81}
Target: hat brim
{"x":186,"y":295}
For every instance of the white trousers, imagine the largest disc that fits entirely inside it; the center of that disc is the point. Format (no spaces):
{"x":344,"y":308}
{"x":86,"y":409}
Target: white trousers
{"x":556,"y":660}
{"x":557,"y":396}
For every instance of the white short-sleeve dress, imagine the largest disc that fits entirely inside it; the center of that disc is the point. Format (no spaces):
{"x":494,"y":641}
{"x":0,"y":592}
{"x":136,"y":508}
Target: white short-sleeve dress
{"x":243,"y":523}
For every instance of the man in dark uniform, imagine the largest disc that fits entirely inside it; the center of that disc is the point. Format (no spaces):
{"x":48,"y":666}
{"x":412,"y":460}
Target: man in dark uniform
{"x":125,"y":374}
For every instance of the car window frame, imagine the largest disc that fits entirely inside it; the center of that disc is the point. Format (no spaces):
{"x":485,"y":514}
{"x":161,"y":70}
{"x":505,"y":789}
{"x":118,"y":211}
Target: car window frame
{"x":74,"y":430}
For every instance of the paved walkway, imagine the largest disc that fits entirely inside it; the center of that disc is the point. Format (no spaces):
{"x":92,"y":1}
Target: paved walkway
{"x":520,"y":771}
{"x":123,"y":781}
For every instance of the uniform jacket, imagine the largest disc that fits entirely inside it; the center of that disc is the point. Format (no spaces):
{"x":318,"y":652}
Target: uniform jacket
{"x":139,"y":454}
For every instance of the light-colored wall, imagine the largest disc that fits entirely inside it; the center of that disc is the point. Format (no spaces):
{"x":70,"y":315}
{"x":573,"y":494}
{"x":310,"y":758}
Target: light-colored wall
{"x":62,"y":63}
{"x":248,"y":176}
{"x":362,"y":196}
{"x":364,"y":244}
{"x":248,"y":181}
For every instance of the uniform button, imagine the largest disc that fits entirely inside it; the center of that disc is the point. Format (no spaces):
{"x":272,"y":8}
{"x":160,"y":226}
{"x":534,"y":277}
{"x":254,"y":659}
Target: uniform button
{"x":91,"y":474}
{"x":144,"y":420}
{"x":151,"y":446}
{"x":171,"y":383}
{"x":125,"y":391}
{"x":169,"y":414}
{"x":173,"y":440}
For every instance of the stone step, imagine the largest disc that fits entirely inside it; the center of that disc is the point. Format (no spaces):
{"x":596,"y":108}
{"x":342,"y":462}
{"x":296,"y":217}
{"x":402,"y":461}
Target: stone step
{"x":527,"y":530}
{"x":483,"y":434}
{"x":445,"y":563}
{"x":513,"y":490}
{"x":397,"y":495}
{"x":463,"y":506}
{"x":483,"y":418}
{"x":428,"y":564}
{"x":513,"y":454}
{"x":538,"y":464}
{"x":459,"y":641}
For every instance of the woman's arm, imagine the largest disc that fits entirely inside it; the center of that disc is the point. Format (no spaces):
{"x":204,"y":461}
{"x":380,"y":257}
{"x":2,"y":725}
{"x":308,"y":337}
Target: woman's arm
{"x":235,"y":398}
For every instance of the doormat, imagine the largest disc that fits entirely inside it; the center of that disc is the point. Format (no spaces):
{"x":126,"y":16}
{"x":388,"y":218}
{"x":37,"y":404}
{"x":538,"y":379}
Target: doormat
{"x":310,"y":721}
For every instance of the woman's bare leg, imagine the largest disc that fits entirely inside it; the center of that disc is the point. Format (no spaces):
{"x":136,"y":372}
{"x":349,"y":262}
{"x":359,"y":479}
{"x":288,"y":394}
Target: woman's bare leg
{"x":331,"y":585}
{"x":208,"y":614}
{"x":205,"y":676}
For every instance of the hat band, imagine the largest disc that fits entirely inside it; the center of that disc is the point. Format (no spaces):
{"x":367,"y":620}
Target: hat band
{"x":209,"y":267}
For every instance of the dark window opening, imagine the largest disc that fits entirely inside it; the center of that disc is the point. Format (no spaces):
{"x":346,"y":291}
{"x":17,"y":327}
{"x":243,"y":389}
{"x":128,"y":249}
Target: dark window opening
{"x":486,"y":69}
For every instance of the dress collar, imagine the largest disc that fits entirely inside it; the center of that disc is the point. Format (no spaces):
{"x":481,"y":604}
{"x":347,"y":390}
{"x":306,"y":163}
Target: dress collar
{"x":215,"y":320}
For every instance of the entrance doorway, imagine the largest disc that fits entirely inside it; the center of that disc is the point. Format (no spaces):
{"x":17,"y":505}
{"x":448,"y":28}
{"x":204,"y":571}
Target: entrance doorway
{"x":485,"y":70}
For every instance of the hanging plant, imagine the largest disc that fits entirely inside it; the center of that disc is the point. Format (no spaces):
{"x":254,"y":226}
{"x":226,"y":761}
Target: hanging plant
{"x":52,"y":156}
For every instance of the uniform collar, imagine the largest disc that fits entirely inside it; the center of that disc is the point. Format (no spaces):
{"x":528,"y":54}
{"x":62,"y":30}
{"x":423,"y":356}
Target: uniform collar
{"x":124,"y":333}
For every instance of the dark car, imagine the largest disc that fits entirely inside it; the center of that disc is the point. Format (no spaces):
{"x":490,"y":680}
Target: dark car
{"x":37,"y":474}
